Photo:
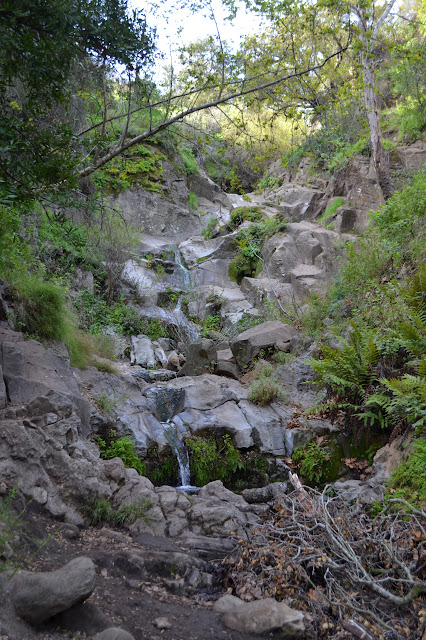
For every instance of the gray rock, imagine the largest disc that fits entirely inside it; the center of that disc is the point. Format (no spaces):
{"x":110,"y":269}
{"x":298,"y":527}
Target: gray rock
{"x":260,"y":616}
{"x":114,"y":633}
{"x":3,"y":394}
{"x":265,"y":494}
{"x":201,"y":357}
{"x":163,"y":624}
{"x":143,"y":352}
{"x":363,"y":492}
{"x":39,"y":596}
{"x":85,"y":617}
{"x":267,"y":430}
{"x":247,"y":345}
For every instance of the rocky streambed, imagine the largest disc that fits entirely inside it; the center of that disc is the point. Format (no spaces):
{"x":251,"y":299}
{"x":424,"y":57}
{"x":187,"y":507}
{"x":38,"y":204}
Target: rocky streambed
{"x":51,"y":416}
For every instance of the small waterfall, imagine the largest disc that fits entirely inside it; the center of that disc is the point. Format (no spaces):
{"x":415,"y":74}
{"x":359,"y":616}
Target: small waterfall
{"x":182,"y":457}
{"x":189,"y":328}
{"x":185,"y":274}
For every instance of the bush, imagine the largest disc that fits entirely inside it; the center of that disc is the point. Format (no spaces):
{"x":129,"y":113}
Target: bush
{"x":331,"y":210}
{"x":100,"y":511}
{"x":192,"y":201}
{"x":189,"y":161}
{"x":242,"y":214}
{"x":249,"y":243}
{"x":211,"y":459}
{"x":122,"y":448}
{"x":311,"y":461}
{"x":265,"y":388}
{"x":408,"y":480}
{"x":207,"y":232}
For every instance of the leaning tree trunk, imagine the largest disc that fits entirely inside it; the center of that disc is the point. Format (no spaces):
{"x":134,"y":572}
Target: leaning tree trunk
{"x":373,"y":116}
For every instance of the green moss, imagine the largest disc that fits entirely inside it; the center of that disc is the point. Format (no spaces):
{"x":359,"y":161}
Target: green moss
{"x":331,"y":210}
{"x":140,"y":166}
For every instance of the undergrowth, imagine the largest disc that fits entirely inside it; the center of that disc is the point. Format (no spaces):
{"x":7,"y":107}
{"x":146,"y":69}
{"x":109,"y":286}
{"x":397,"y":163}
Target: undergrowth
{"x":122,"y":448}
{"x":101,"y":511}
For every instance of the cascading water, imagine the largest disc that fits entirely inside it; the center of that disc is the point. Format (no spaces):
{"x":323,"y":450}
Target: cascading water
{"x":181,"y":453}
{"x":145,"y":279}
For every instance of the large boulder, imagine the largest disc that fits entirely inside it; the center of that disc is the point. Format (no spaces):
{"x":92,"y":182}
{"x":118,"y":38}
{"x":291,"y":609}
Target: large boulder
{"x":143,"y":352}
{"x":39,"y":596}
{"x":260,"y":616}
{"x":247,"y":345}
{"x":201,"y":357}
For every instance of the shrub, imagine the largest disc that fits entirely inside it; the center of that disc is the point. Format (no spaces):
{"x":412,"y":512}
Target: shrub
{"x":207,"y":232}
{"x":192,"y":201}
{"x":242,"y":214}
{"x":265,"y":388}
{"x":122,"y":448}
{"x":211,"y":324}
{"x":264,"y":391}
{"x":249,"y":243}
{"x":100,"y":511}
{"x":189,"y":161}
{"x":311,"y":460}
{"x":212,"y":459}
{"x":408,"y":480}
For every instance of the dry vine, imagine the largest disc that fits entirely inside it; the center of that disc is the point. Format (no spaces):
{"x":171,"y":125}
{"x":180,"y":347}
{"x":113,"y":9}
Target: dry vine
{"x":352,"y":575}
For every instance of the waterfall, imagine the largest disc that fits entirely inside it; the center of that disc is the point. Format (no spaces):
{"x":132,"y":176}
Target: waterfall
{"x":190,"y":330}
{"x":186,"y":276}
{"x":181,"y":453}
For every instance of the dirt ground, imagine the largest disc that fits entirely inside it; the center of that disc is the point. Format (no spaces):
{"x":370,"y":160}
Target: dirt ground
{"x":131,"y":602}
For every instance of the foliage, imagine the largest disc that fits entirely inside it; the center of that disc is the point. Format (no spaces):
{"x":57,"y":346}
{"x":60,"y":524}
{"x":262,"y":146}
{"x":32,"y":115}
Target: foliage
{"x":207,"y":232}
{"x":189,"y":160}
{"x":45,"y":46}
{"x":101,"y":511}
{"x":408,"y":479}
{"x":122,"y":448}
{"x":242,"y":214}
{"x":96,"y":315}
{"x":140,"y":166}
{"x":10,"y":524}
{"x":249,"y":243}
{"x":211,"y":324}
{"x":331,"y":209}
{"x":354,"y":373}
{"x":192,"y":202}
{"x":311,"y":461}
{"x":265,"y":388}
{"x":212,"y":459}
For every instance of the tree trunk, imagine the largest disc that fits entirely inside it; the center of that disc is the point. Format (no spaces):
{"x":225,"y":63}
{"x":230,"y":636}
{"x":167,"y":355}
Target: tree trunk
{"x":373,"y":116}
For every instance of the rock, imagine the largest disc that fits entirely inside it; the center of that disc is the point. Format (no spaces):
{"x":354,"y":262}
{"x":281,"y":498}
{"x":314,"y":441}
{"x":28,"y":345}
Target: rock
{"x":247,"y":345}
{"x":201,"y":357}
{"x":267,"y":430}
{"x":357,"y":490}
{"x":3,"y":394}
{"x":39,"y":596}
{"x":86,"y":618}
{"x":260,"y":616}
{"x":229,"y":416}
{"x":142,"y":352}
{"x":162,"y":623}
{"x":114,"y":633}
{"x":209,"y":548}
{"x":227,"y":369}
{"x":173,"y":362}
{"x":265,"y":494}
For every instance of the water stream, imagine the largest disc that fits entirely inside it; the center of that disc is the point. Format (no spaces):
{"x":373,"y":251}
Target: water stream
{"x":181,"y":452}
